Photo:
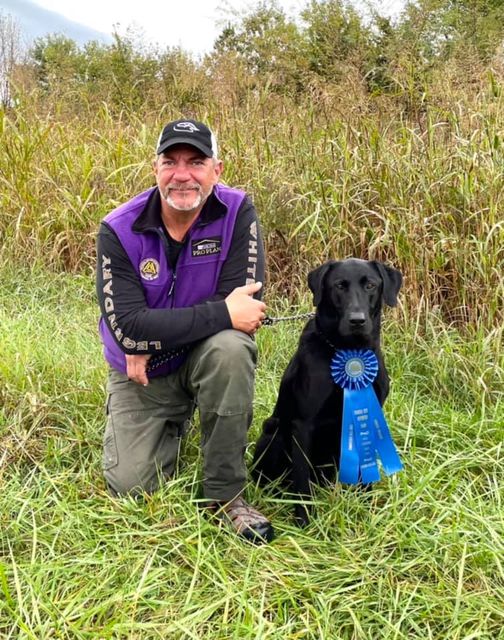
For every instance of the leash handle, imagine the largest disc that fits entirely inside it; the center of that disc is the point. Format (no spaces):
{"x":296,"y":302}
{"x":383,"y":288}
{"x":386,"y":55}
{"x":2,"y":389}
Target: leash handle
{"x":163,"y":358}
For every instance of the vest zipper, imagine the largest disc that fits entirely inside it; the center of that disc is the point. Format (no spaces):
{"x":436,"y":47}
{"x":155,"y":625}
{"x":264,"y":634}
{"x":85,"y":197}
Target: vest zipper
{"x":172,"y":285}
{"x":162,"y":235}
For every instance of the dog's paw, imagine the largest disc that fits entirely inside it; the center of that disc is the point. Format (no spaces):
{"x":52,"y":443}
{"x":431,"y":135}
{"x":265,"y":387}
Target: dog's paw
{"x":301,"y":515}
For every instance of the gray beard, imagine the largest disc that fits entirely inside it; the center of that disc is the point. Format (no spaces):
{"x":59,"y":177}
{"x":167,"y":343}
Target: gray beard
{"x":187,"y":207}
{"x":200,"y":200}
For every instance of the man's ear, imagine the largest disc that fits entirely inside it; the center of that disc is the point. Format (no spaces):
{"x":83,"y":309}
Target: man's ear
{"x":316,"y":280}
{"x":218,"y":169}
{"x":392,"y":280}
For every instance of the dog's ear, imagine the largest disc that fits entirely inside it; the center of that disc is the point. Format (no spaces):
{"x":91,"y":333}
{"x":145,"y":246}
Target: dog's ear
{"x":316,"y":280}
{"x":392,"y":280}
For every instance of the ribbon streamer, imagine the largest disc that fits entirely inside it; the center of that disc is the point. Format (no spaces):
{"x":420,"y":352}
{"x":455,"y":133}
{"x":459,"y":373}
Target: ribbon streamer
{"x":364,"y":432}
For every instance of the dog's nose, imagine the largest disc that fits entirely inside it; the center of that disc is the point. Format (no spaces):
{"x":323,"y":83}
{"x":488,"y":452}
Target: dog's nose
{"x":357,"y":318}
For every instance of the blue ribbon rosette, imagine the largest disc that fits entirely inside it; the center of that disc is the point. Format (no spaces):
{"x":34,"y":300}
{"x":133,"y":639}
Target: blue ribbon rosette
{"x":364,"y":432}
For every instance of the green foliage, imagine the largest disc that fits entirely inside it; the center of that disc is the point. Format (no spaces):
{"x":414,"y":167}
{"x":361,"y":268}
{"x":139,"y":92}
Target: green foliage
{"x":268,"y":44}
{"x":444,"y":28}
{"x":335,"y":36}
{"x":328,"y":39}
{"x":124,"y":75}
{"x":328,"y":43}
{"x":57,"y":59}
{"x":379,"y":57}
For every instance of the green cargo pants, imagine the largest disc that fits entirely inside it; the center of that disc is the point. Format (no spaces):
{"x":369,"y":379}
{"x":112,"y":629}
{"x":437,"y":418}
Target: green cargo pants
{"x":144,"y":424}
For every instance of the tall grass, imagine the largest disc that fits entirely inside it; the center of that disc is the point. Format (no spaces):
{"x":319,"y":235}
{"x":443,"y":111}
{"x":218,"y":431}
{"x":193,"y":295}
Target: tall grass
{"x":328,"y":181}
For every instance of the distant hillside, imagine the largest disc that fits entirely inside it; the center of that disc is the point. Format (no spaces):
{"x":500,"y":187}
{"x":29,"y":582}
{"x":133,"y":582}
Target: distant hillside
{"x":35,"y":21}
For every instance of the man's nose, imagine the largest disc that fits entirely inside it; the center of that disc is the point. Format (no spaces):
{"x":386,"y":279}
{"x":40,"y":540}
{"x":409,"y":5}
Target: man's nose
{"x":181,"y":172}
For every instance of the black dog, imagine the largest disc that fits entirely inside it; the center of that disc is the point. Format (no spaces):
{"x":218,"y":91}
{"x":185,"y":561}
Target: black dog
{"x":301,"y":440}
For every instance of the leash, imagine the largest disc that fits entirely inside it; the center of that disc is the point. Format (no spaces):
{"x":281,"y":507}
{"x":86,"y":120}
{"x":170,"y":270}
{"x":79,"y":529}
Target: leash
{"x":268,"y":320}
{"x":163,"y":358}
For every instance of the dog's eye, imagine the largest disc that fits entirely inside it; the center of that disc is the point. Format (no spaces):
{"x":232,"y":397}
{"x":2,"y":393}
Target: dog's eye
{"x":340,"y":285}
{"x":370,"y":285}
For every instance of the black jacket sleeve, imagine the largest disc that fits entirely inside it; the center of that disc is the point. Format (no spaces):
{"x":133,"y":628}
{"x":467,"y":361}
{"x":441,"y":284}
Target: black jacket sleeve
{"x":164,"y":329}
{"x":245,"y":261}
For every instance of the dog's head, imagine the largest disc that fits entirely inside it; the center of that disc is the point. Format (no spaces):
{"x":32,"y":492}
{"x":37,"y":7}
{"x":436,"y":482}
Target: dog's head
{"x":349,"y":294}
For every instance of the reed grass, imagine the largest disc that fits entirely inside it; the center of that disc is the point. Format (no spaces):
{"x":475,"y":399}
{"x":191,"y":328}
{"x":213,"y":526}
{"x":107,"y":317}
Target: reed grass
{"x":424,"y":194}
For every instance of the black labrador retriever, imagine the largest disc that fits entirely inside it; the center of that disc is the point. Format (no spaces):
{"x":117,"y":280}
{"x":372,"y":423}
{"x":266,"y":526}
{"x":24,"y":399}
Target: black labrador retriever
{"x":300,"y":442}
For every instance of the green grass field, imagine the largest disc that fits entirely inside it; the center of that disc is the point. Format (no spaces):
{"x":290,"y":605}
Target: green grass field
{"x":420,"y":556}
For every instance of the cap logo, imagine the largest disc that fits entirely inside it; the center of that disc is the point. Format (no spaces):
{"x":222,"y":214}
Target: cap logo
{"x":185,"y":127}
{"x":149,"y":269}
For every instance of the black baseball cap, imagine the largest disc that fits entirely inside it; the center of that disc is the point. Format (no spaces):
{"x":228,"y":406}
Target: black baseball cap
{"x":189,"y":132}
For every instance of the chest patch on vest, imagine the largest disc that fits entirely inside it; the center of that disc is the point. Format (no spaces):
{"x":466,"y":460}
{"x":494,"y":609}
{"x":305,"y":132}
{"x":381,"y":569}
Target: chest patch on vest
{"x":149,"y":269}
{"x":205,"y":247}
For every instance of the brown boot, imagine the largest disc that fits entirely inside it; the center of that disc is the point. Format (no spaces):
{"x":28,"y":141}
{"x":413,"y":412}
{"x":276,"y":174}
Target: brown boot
{"x":244,"y":519}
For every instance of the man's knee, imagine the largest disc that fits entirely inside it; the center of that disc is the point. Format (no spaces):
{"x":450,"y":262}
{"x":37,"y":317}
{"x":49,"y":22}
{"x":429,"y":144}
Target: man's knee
{"x":231,"y":349}
{"x":133,"y":468}
{"x":128,"y":480}
{"x":142,"y":435}
{"x":222,"y":373}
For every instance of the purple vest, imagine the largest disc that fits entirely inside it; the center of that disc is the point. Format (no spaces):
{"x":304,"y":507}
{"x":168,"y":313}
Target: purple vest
{"x":197,"y":272}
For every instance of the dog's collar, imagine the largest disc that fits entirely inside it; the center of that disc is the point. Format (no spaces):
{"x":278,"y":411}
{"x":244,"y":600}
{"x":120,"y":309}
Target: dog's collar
{"x":335,"y":348}
{"x":326,"y":339}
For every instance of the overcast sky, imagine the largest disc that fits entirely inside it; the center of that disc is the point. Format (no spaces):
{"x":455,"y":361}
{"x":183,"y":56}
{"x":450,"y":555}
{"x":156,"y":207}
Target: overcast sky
{"x":191,"y":24}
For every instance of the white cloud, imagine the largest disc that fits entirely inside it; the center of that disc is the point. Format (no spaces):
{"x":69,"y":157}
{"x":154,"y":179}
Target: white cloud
{"x":192,"y":24}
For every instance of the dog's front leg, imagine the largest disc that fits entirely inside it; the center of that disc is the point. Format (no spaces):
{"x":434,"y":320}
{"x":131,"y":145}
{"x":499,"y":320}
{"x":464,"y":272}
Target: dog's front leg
{"x":301,"y":472}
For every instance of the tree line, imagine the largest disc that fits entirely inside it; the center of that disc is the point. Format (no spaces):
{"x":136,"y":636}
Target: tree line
{"x":264,"y":47}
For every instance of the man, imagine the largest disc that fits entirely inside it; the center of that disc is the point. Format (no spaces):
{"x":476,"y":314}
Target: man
{"x":179,"y":272}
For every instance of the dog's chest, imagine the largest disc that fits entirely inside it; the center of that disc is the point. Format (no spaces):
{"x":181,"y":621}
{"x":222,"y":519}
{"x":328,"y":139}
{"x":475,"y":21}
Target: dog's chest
{"x":331,"y":407}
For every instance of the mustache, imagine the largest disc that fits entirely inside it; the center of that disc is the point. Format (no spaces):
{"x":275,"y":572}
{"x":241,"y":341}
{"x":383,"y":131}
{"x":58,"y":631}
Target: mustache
{"x":183,"y":187}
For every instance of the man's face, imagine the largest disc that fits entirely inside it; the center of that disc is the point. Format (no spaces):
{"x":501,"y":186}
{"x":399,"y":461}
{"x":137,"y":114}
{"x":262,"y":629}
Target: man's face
{"x":185,"y":177}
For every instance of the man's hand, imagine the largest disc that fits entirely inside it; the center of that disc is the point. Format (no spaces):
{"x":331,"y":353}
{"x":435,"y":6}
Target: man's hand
{"x":136,"y":368}
{"x":246,"y":313}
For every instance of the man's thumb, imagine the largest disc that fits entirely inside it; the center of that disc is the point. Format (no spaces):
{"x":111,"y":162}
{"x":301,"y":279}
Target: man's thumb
{"x":252,"y":288}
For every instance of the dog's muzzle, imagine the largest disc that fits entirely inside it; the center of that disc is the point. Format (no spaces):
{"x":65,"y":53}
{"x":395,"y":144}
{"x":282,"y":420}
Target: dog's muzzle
{"x":357,"y":319}
{"x":355,"y":323}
